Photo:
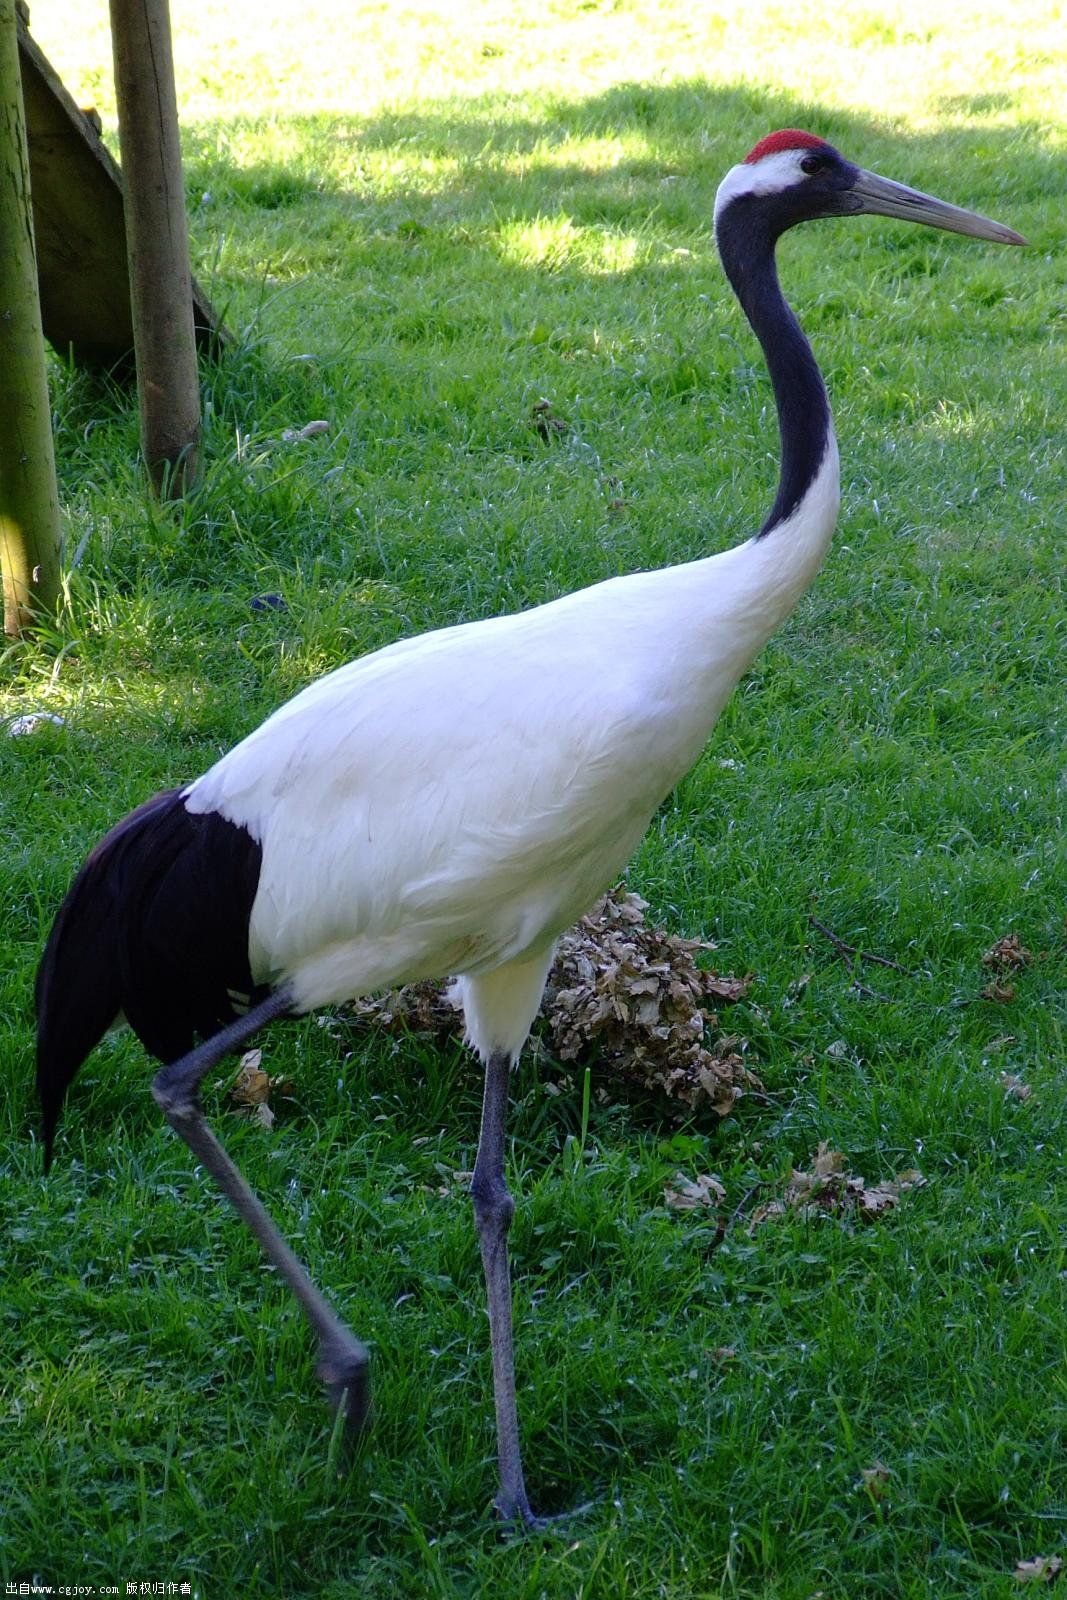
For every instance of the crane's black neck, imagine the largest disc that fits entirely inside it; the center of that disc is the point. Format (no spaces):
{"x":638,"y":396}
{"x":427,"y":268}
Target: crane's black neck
{"x":747,"y":230}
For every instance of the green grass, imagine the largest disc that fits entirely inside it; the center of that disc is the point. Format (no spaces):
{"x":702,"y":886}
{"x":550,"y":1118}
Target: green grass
{"x":419,"y":223}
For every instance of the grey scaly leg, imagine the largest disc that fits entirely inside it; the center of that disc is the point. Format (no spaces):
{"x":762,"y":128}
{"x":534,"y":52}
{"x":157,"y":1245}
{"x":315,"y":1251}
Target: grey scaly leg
{"x":343,"y":1361}
{"x":493,"y":1210}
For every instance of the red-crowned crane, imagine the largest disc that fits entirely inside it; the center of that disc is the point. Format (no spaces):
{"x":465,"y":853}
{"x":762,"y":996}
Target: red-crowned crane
{"x":452,"y":803}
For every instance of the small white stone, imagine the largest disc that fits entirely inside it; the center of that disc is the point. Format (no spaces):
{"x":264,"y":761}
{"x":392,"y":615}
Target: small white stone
{"x":32,"y":720}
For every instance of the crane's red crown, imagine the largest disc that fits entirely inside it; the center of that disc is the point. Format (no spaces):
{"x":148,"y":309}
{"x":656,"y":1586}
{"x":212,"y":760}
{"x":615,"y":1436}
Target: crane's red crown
{"x":785,"y":139}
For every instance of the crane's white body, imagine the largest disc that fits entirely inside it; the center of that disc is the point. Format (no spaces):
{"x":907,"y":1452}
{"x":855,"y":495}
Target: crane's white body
{"x":448,"y":805}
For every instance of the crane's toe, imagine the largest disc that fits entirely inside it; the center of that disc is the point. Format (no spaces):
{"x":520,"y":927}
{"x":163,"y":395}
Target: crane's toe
{"x":520,"y":1515}
{"x":344,"y":1368}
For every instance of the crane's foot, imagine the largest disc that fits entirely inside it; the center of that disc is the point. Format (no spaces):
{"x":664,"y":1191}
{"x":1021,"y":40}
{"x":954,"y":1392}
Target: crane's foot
{"x":519,"y":1514}
{"x":344,"y":1369}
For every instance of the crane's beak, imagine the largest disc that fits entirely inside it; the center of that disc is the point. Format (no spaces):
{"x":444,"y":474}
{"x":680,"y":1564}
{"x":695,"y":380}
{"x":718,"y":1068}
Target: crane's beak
{"x":884,"y":198}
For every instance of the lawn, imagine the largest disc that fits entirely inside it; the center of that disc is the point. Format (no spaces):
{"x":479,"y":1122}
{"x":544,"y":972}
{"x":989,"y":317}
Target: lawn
{"x":421,"y":221}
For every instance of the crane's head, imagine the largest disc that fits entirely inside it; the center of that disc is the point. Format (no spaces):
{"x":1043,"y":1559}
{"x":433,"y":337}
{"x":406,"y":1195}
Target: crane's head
{"x":792,"y":177}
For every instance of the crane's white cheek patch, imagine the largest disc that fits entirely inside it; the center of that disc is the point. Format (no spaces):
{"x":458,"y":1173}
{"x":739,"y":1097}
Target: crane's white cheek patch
{"x":771,"y":175}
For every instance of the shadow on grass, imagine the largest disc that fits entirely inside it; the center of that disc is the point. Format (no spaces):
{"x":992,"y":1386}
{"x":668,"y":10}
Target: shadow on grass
{"x":498,"y":170}
{"x":689,"y":131}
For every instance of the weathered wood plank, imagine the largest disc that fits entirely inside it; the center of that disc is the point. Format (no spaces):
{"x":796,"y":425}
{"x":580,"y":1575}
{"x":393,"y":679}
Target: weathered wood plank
{"x":78,"y":222}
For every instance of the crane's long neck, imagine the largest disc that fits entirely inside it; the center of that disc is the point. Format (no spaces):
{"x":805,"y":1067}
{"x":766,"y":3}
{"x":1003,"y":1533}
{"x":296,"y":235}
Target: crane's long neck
{"x":746,"y":245}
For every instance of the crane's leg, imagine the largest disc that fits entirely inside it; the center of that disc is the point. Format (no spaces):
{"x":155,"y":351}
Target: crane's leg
{"x":493,"y":1210}
{"x":343,"y":1361}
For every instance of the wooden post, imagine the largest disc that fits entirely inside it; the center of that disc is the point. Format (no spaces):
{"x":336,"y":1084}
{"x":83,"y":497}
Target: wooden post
{"x":157,"y":244}
{"x":29,"y":503}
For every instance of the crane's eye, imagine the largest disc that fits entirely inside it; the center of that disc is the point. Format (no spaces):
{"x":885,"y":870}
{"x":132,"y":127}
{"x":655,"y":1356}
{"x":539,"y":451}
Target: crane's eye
{"x":812,"y":163}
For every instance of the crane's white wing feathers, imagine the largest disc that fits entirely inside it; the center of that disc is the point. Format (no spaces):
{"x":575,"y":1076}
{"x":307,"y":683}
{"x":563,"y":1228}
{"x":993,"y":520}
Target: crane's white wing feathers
{"x":451,"y":803}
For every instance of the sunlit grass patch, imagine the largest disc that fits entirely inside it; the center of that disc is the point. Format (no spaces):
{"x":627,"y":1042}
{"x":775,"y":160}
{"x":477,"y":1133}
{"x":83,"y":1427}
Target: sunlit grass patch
{"x":553,"y":242}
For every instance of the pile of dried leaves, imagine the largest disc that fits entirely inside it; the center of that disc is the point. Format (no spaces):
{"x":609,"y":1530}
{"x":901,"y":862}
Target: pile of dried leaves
{"x":1008,"y":955}
{"x":637,"y":994}
{"x":632,"y":993}
{"x":830,"y":1187}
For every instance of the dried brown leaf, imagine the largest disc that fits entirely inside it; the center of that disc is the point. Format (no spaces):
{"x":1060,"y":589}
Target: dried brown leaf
{"x":251,"y":1085}
{"x":875,"y":1479}
{"x":827,"y":1161}
{"x":251,"y":1089}
{"x":830,"y":1187}
{"x":1042,"y":1569}
{"x":1014,"y":1087}
{"x":871,"y":1202}
{"x":763,"y":1213}
{"x":1007,"y":954}
{"x":425,"y":1007}
{"x":1003,"y":993}
{"x":545,"y":419}
{"x":728,"y":991}
{"x":691,"y":1195}
{"x":634,"y":993}
{"x":308,"y":431}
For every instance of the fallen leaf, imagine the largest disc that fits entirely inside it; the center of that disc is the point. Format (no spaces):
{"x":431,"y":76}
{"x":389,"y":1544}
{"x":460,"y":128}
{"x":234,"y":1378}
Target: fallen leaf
{"x":1007,"y":954}
{"x":830,"y":1187}
{"x":251,"y":1085}
{"x":690,"y":1196}
{"x":726,"y":990}
{"x":723,"y":1353}
{"x":308,"y":431}
{"x":545,"y":420}
{"x":872,"y":1201}
{"x":633,"y":993}
{"x":827,"y":1161}
{"x":875,"y":1479}
{"x":31,"y":720}
{"x":1003,"y":993}
{"x":1042,"y":1569}
{"x":1014,"y":1087}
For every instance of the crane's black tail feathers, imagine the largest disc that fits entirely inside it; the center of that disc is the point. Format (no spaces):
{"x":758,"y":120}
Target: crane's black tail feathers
{"x":154,"y":928}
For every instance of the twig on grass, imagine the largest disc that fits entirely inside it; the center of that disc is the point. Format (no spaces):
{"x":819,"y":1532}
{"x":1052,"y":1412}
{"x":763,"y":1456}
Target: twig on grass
{"x":724,"y":1223}
{"x":870,"y":994}
{"x":853,"y":955}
